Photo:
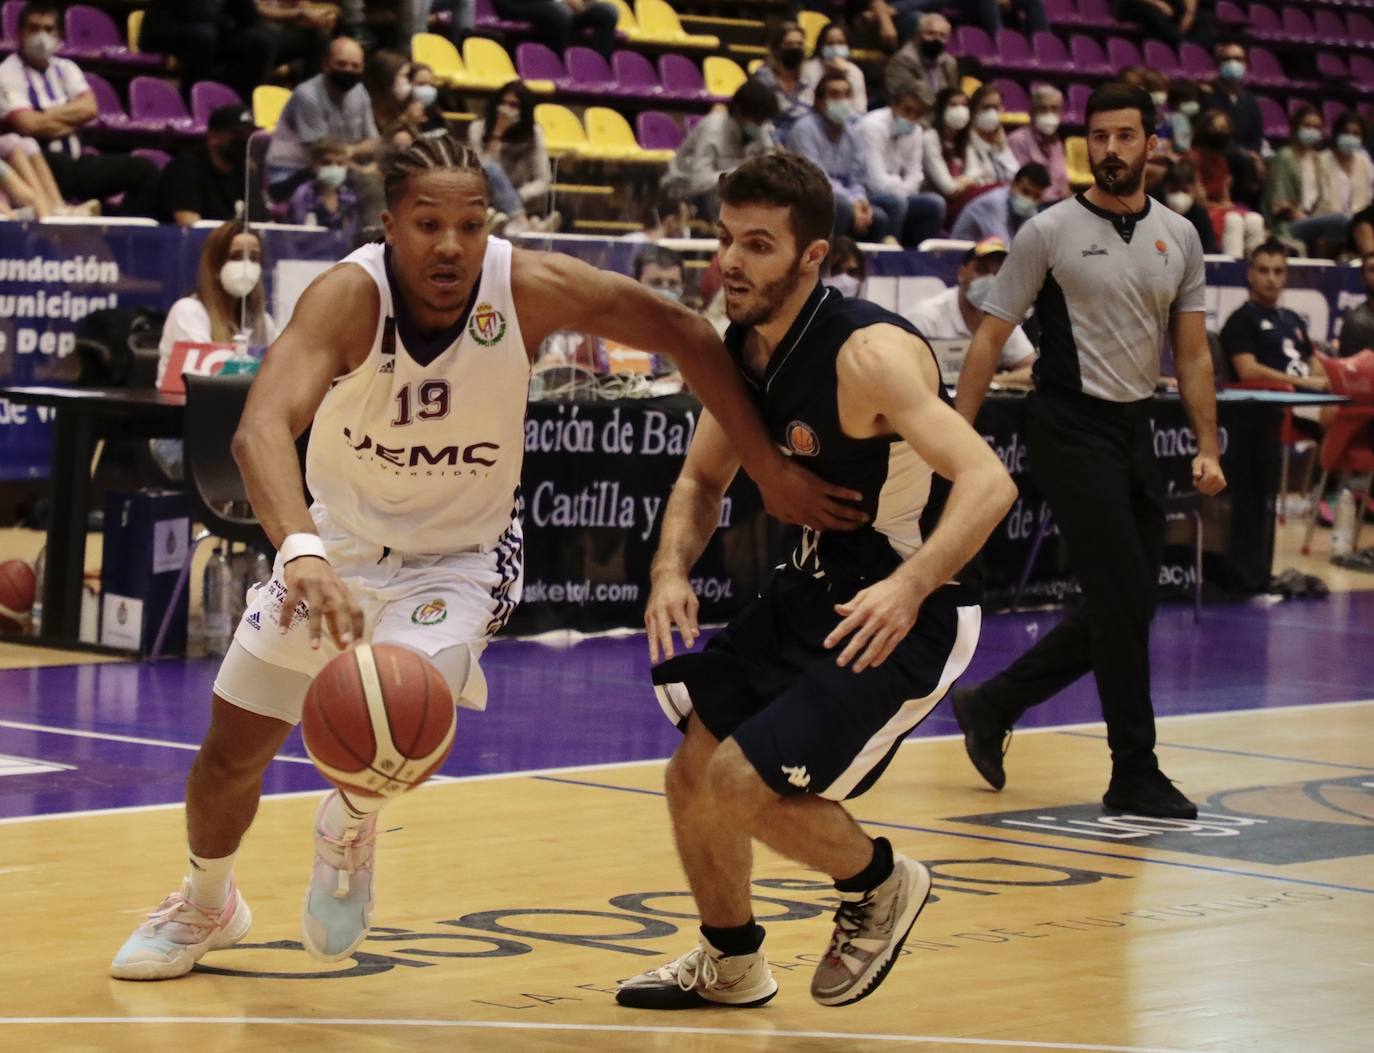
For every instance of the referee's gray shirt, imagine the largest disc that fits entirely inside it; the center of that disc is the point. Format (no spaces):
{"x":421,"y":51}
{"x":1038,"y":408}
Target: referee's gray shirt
{"x":1104,"y":287}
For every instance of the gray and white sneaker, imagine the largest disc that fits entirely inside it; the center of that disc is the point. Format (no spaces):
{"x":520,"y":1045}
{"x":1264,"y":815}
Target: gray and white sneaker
{"x":870,"y":928}
{"x":701,"y":977}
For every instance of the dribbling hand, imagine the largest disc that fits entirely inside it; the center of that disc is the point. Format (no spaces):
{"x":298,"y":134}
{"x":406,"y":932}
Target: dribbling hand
{"x":312,"y":580}
{"x":671,"y":602}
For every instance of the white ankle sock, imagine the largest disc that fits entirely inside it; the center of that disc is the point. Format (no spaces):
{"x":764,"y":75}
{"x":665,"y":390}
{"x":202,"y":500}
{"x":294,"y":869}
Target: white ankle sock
{"x":348,"y":813}
{"x":210,"y":879}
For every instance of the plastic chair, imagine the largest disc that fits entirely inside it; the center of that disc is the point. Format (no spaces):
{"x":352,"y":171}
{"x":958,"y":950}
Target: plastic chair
{"x":1015,"y":101}
{"x":658,"y":131}
{"x":1265,"y":23}
{"x":1076,"y":161}
{"x":1014,"y":52}
{"x":1051,"y":56}
{"x":1197,"y":61}
{"x":268,"y":102}
{"x":1275,"y":120}
{"x":439,"y":54}
{"x":1160,"y":56}
{"x":537,"y":62}
{"x":973,"y":42}
{"x":610,"y":136}
{"x":9,"y":18}
{"x":589,"y":72}
{"x":1297,"y":27}
{"x":1097,"y":14}
{"x":110,"y":112}
{"x":206,"y":97}
{"x":682,"y":78}
{"x":213,"y":408}
{"x":89,"y":33}
{"x":1061,"y":13}
{"x":626,"y":22}
{"x":489,"y":66}
{"x":723,"y":76}
{"x":1347,"y":446}
{"x":659,"y":23}
{"x":154,"y":105}
{"x":1089,"y":59}
{"x":812,"y":22}
{"x":636,"y":75}
{"x":1076,"y":104}
{"x":563,"y":132}
{"x":1329,"y":27}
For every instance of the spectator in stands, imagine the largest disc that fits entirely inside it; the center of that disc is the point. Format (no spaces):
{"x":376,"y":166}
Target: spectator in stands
{"x":1172,"y":21}
{"x":1230,"y":94}
{"x":386,"y":76}
{"x":994,"y":15}
{"x":892,"y":139}
{"x":1239,"y":231}
{"x":781,"y":73}
{"x":1266,"y":342}
{"x":555,"y":21}
{"x":956,"y":313}
{"x":326,"y":201}
{"x":508,"y":135}
{"x":832,"y":52}
{"x":667,"y":217}
{"x":208,"y":181}
{"x":230,"y":275}
{"x":47,"y":99}
{"x":422,"y":115}
{"x":924,"y":59}
{"x":988,"y":159}
{"x":27,"y":183}
{"x":1182,"y":105}
{"x":334,"y":104}
{"x":299,"y":31}
{"x":1357,"y":324}
{"x":1297,"y":194}
{"x":1040,"y":142}
{"x":721,"y":141}
{"x":844,"y":269}
{"x":1351,"y":185}
{"x":1001,"y":212}
{"x":1362,"y":232}
{"x":826,"y":136}
{"x":943,"y":160}
{"x":872,"y":25}
{"x":1180,"y":190}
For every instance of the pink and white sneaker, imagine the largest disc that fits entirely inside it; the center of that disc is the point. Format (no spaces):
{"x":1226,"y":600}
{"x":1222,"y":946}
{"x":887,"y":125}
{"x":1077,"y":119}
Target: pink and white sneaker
{"x":178,"y":934}
{"x":338,"y":903}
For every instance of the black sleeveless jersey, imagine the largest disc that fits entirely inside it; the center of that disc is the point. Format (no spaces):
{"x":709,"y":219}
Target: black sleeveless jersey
{"x":798,"y":399}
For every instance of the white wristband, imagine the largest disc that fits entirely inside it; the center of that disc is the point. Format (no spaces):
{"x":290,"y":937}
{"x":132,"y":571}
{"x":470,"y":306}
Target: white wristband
{"x":297,"y":545}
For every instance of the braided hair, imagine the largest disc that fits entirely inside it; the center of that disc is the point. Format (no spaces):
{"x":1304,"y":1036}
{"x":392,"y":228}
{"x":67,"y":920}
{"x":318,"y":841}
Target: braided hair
{"x":429,"y":153}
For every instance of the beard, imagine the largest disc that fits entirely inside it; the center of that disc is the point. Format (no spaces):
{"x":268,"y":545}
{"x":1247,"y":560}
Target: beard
{"x":1116,"y":177}
{"x":766,"y":299}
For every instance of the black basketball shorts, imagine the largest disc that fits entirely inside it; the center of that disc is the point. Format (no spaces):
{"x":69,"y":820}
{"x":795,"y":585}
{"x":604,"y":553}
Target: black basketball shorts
{"x":806,"y":725}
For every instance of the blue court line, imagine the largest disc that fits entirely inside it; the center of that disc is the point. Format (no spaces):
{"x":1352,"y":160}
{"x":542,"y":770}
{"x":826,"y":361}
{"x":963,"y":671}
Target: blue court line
{"x":1234,"y":753}
{"x":1024,"y":844}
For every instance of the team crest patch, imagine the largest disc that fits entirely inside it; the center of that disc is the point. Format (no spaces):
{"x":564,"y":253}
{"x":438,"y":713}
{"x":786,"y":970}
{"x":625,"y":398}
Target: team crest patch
{"x":1163,"y":250}
{"x":431,"y":613}
{"x":802,"y":439}
{"x":487,"y":325}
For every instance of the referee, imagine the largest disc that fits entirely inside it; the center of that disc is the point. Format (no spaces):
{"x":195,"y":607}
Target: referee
{"x":1108,"y":272}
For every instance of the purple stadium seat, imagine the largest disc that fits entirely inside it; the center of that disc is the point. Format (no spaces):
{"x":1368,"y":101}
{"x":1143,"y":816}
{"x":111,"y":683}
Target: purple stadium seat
{"x":1332,"y":111}
{"x":1330,"y":27}
{"x":484,"y":17}
{"x":1360,"y":28}
{"x":1296,"y":103}
{"x":1230,"y":14}
{"x":1051,"y":56}
{"x":1122,"y":53}
{"x":1061,"y":13}
{"x":537,"y":62}
{"x":588,"y":71}
{"x":657,"y":131}
{"x":1097,"y":14}
{"x":158,"y":157}
{"x":1367,"y":112}
{"x":1089,"y":59}
{"x":1275,"y":120}
{"x":1160,"y":56}
{"x":110,"y":110}
{"x":89,"y":32}
{"x":1362,"y":73}
{"x":1297,"y":27}
{"x":1077,"y":104}
{"x":1014,"y":97}
{"x":9,"y":19}
{"x":1265,"y":23}
{"x":156,"y":106}
{"x":1197,"y":61}
{"x":1265,"y":70}
{"x":1014,"y":52}
{"x":972,"y":41}
{"x":636,"y":74}
{"x":682,"y":77}
{"x":206,"y":97}
{"x":1330,"y":66}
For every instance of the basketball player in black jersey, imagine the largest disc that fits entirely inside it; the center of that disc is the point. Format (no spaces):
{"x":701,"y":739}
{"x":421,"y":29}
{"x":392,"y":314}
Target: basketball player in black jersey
{"x":801,"y":702}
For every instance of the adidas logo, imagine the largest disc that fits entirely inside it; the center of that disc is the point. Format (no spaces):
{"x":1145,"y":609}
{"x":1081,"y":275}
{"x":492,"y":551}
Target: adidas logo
{"x":255,"y":620}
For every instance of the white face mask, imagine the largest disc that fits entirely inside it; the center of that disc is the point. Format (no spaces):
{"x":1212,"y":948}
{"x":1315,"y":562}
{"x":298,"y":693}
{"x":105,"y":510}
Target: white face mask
{"x":332,"y":176}
{"x":956,"y":118}
{"x":1159,"y":98}
{"x":847,"y":285}
{"x":240,"y":277}
{"x":978,"y":290}
{"x":839,"y":110}
{"x":1047,"y":123}
{"x":988,"y":121}
{"x":1180,"y":201}
{"x":424,"y":94}
{"x":510,"y":113}
{"x":41,"y":46}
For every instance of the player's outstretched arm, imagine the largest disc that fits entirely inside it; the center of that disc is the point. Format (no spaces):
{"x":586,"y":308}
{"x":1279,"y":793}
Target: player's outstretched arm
{"x":556,"y":291}
{"x":688,"y":523}
{"x":888,"y":378}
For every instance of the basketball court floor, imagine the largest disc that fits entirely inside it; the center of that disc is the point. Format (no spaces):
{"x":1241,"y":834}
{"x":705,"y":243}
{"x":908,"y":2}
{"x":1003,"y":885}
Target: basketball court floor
{"x":515,"y":890}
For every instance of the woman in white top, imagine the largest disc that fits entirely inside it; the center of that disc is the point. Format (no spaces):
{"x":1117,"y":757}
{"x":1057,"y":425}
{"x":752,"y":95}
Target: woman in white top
{"x":1347,"y":180}
{"x":987,"y":157}
{"x":832,"y":52}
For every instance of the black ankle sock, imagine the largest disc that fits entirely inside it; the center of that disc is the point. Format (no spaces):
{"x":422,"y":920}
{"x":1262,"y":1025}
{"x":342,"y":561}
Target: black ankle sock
{"x":735,"y":939}
{"x":879,"y":869}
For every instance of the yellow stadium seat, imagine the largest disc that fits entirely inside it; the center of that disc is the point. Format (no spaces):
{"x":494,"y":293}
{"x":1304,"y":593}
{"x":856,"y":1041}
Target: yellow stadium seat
{"x":1076,"y":161}
{"x":723,"y":75}
{"x":439,"y":54}
{"x":563,"y":132}
{"x":268,"y":102}
{"x":610,"y":136}
{"x":135,"y":29}
{"x":659,"y":23}
{"x":969,"y":85}
{"x":812,"y":22}
{"x":626,"y":21}
{"x":754,"y":65}
{"x":489,"y":66}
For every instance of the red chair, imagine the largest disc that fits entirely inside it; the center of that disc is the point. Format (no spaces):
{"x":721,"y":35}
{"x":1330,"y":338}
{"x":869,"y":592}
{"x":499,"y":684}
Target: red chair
{"x":1348,"y":446}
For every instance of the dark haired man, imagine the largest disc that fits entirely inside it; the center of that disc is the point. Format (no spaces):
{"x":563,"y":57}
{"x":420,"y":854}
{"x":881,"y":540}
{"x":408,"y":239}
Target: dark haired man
{"x":1107,"y":271}
{"x":410,"y":363}
{"x":801,"y":702}
{"x":1003,"y":210}
{"x":720,"y":142}
{"x":1357,"y":324}
{"x":1264,"y":341}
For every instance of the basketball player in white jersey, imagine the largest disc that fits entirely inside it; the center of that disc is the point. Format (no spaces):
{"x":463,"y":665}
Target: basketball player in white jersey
{"x":410,"y":362}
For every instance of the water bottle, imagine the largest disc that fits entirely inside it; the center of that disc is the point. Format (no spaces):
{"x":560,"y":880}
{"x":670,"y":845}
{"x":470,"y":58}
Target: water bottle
{"x":36,"y":613}
{"x":1343,"y":525}
{"x":217,"y":602}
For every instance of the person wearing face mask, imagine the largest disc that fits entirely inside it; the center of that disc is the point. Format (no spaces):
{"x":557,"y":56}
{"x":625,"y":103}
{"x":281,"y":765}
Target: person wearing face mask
{"x":1296,"y":194}
{"x":46,"y":99}
{"x":1239,"y":231}
{"x":511,"y":145}
{"x":1040,"y":141}
{"x":1230,"y":94}
{"x":719,"y":143}
{"x":893,"y":144}
{"x":1179,"y":189}
{"x":421,"y":115}
{"x":781,"y":74}
{"x":1003,"y":210}
{"x":1349,"y":180}
{"x":1182,"y":105}
{"x":228,"y":278}
{"x":844,"y":269}
{"x":326,"y":201}
{"x":955,"y":313}
{"x":832,"y":53}
{"x":941,"y":157}
{"x":988,"y":159}
{"x":924,"y":59}
{"x":386,"y":76}
{"x":827,"y":137}
{"x":207,"y":181}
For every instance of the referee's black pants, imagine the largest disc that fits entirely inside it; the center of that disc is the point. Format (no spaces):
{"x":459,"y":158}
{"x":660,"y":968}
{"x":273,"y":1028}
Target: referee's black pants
{"x":1094,"y":462}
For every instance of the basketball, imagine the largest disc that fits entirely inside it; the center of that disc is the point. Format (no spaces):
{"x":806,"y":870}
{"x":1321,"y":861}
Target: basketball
{"x":378,"y":720}
{"x":16,"y":595}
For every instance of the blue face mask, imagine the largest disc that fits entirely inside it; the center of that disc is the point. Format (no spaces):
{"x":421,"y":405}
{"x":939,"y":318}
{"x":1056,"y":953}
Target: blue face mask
{"x":1023,"y":206}
{"x":835,"y":51}
{"x":1347,"y":143}
{"x":1232,"y":69}
{"x":1309,"y":136}
{"x":839,"y":110}
{"x":901,"y":126}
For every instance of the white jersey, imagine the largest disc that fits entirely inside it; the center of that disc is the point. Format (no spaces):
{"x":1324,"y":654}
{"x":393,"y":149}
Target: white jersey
{"x":419,"y":449}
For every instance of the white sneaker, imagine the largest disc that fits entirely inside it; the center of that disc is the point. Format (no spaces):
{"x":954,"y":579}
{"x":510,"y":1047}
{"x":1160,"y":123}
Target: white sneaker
{"x":178,"y":934}
{"x":701,"y":977}
{"x":338,"y":903}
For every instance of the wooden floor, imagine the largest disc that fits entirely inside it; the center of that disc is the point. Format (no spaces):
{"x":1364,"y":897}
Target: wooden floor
{"x":508,"y":907}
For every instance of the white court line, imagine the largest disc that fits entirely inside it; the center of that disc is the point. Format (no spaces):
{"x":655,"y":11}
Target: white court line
{"x":630,"y":1029}
{"x":107,"y":736}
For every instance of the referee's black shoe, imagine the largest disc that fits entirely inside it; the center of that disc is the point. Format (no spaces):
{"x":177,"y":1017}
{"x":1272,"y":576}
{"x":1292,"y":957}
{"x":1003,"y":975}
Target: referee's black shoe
{"x":1150,"y":793}
{"x":985,"y":740}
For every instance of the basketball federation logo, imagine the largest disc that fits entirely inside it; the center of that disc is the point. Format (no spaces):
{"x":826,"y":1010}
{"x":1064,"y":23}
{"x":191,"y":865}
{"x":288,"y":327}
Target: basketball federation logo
{"x":431,"y":613}
{"x":487,"y":325}
{"x":1163,"y":249}
{"x":802,"y":439}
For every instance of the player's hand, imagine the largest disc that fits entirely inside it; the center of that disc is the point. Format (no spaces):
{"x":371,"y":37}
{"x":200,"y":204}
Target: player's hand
{"x":796,"y":495}
{"x":875,"y":621}
{"x":312,"y":580}
{"x":1207,"y":476}
{"x":671,"y":602}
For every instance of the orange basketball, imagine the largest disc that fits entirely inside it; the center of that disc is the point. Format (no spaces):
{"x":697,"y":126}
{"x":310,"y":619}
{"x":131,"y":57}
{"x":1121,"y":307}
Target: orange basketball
{"x":17,"y":590}
{"x":378,"y":720}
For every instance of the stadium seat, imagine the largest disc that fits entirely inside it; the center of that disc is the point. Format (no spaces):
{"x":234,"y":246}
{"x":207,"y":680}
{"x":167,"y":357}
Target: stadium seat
{"x":1275,"y":120}
{"x":1360,"y":28}
{"x":636,"y":75}
{"x":658,"y":131}
{"x":723,"y":76}
{"x":268,"y":102}
{"x":1097,"y":14}
{"x":9,"y":19}
{"x":1014,"y":52}
{"x":1265,"y":24}
{"x":1122,"y":53}
{"x":1197,"y":61}
{"x":754,"y":65}
{"x":1160,"y":56}
{"x":563,"y":132}
{"x":537,"y":62}
{"x":484,"y":17}
{"x":1076,"y":104}
{"x":1051,"y":56}
{"x":1330,"y":28}
{"x":1362,"y":73}
{"x":626,"y":22}
{"x":682,"y":78}
{"x":110,"y":112}
{"x":1332,"y":67}
{"x":1088,"y":57}
{"x":88,"y":32}
{"x":589,"y":72}
{"x":1231,"y":14}
{"x":812,"y":22}
{"x":1076,"y":161}
{"x":488,"y":65}
{"x":610,"y":136}
{"x":1015,"y":102}
{"x":156,"y":106}
{"x":659,"y":24}
{"x":208,"y":96}
{"x":439,"y":54}
{"x":1062,"y":13}
{"x":1297,"y":27}
{"x":973,"y":43}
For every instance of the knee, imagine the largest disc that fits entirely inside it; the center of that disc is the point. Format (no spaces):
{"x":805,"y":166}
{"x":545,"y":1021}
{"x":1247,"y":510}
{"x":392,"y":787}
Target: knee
{"x":734,"y":785}
{"x":682,"y":779}
{"x":223,"y":761}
